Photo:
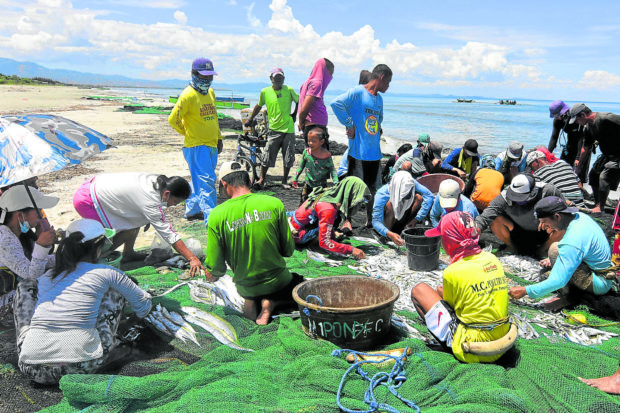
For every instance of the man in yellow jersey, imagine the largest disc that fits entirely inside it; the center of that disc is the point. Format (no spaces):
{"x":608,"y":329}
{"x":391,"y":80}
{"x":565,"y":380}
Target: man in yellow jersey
{"x":470,"y":309}
{"x":195,"y":117}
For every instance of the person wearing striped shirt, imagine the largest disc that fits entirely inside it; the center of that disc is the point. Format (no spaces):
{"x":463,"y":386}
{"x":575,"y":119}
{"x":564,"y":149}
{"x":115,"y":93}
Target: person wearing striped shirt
{"x":559,"y":173}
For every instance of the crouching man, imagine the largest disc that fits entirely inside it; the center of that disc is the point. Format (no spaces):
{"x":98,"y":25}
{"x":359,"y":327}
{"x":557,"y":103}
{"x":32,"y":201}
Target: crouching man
{"x":469,"y":312}
{"x":250,"y":233}
{"x":581,"y":267}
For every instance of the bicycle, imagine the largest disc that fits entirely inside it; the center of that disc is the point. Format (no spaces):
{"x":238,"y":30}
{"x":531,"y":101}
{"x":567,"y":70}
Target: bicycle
{"x":254,"y":157}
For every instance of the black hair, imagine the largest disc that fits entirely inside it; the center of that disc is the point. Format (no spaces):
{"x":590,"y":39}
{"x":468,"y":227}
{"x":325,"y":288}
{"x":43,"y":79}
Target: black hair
{"x":328,"y":64}
{"x":320,"y":130}
{"x":381,"y":70}
{"x":404,"y":148}
{"x":26,"y":239}
{"x":365,"y":77}
{"x":237,"y":179}
{"x":72,"y":250}
{"x":178,"y":187}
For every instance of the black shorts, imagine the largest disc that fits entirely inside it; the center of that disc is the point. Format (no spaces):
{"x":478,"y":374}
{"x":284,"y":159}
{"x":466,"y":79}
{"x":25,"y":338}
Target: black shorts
{"x":367,"y":171}
{"x":526,"y":242}
{"x":283,"y":294}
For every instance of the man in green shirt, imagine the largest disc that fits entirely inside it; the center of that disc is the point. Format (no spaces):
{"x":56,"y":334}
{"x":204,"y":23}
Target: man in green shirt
{"x":250,"y":233}
{"x":278,"y":97}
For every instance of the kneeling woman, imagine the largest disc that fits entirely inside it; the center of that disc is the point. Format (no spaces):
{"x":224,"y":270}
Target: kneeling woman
{"x":320,"y":215}
{"x":66,"y":323}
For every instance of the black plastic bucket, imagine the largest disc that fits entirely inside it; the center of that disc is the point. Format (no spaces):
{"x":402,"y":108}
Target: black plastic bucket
{"x":422,"y":251}
{"x":351,"y":311}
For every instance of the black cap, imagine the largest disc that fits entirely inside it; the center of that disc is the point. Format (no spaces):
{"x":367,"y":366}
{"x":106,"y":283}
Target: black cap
{"x":471,"y":147}
{"x":551,"y":205}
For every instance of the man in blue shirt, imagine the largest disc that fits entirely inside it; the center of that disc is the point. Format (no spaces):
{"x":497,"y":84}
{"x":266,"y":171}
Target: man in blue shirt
{"x":578,"y":261}
{"x":463,"y":162}
{"x":449,"y":199}
{"x":399,"y":205}
{"x":360,"y":110}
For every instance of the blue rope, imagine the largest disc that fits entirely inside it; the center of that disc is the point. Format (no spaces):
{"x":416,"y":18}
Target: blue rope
{"x":392,"y":380}
{"x":306,"y":311}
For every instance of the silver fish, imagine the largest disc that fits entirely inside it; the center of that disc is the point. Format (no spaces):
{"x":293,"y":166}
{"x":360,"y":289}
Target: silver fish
{"x":176,"y":318}
{"x":168,"y":291}
{"x":367,"y":240}
{"x":165,"y":325}
{"x":222,"y":292}
{"x":217,"y":326}
{"x":320,"y":258}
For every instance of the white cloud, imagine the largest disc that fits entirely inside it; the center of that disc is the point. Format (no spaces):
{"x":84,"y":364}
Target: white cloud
{"x":232,"y":2}
{"x":599,"y":80}
{"x":180,"y":17}
{"x":253,"y":20}
{"x":152,"y":4}
{"x":165,"y":50}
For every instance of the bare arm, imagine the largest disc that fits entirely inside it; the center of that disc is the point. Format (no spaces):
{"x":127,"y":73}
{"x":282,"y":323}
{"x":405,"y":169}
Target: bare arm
{"x":194,"y":262}
{"x":305,"y":109}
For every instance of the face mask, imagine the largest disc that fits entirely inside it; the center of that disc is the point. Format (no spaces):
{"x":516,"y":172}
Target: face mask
{"x":164,"y":204}
{"x":24,"y":226}
{"x":201,"y":85}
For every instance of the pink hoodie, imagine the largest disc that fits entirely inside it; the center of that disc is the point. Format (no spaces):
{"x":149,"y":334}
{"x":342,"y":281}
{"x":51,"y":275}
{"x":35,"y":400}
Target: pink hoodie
{"x":315,"y":86}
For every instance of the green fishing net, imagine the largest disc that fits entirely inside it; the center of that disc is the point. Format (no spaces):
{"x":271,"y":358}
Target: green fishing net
{"x":289,"y":372}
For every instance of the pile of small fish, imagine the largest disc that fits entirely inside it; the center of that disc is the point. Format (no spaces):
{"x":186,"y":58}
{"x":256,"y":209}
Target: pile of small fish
{"x":523,"y":267}
{"x":560,"y":329}
{"x":174,"y":325}
{"x":391,"y":264}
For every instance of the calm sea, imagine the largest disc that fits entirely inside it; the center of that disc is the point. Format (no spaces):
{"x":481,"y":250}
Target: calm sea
{"x":446,"y":121}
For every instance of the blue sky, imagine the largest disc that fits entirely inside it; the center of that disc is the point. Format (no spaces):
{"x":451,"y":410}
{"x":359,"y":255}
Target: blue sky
{"x":545,"y":50}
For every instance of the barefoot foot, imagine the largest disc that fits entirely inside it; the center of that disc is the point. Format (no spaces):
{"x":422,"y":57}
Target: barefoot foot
{"x":265,"y":314}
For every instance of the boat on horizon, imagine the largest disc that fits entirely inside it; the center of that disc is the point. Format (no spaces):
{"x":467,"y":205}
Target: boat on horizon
{"x":223,"y":102}
{"x":461,"y":100}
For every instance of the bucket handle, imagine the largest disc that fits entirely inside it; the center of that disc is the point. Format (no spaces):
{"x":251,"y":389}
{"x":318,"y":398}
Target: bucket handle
{"x":306,"y":311}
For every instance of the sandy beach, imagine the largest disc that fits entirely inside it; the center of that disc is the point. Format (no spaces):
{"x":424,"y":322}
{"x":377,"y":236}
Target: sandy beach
{"x":143,"y":143}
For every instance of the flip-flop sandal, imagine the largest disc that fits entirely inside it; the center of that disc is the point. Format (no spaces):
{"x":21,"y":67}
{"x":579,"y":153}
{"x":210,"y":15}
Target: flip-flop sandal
{"x":258,"y":187}
{"x":286,"y":186}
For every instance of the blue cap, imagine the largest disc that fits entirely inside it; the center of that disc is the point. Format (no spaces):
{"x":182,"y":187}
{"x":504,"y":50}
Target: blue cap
{"x":203,"y":66}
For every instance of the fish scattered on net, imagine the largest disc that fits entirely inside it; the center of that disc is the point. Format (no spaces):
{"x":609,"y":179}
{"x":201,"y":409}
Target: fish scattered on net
{"x":391,"y":264}
{"x":313,"y":255}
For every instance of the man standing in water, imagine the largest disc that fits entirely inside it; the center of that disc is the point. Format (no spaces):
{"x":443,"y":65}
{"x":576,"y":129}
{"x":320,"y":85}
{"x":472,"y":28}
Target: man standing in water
{"x":360,"y":110}
{"x":278,"y":97}
{"x":195,"y":117}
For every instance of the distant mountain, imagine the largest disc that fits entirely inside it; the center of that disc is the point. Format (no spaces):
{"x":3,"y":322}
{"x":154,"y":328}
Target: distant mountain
{"x":29,"y":69}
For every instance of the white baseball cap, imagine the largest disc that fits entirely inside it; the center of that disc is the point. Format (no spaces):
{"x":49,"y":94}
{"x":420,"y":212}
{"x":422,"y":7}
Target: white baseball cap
{"x":230,"y":167}
{"x":449,"y":191}
{"x":90,"y":228}
{"x":16,"y":198}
